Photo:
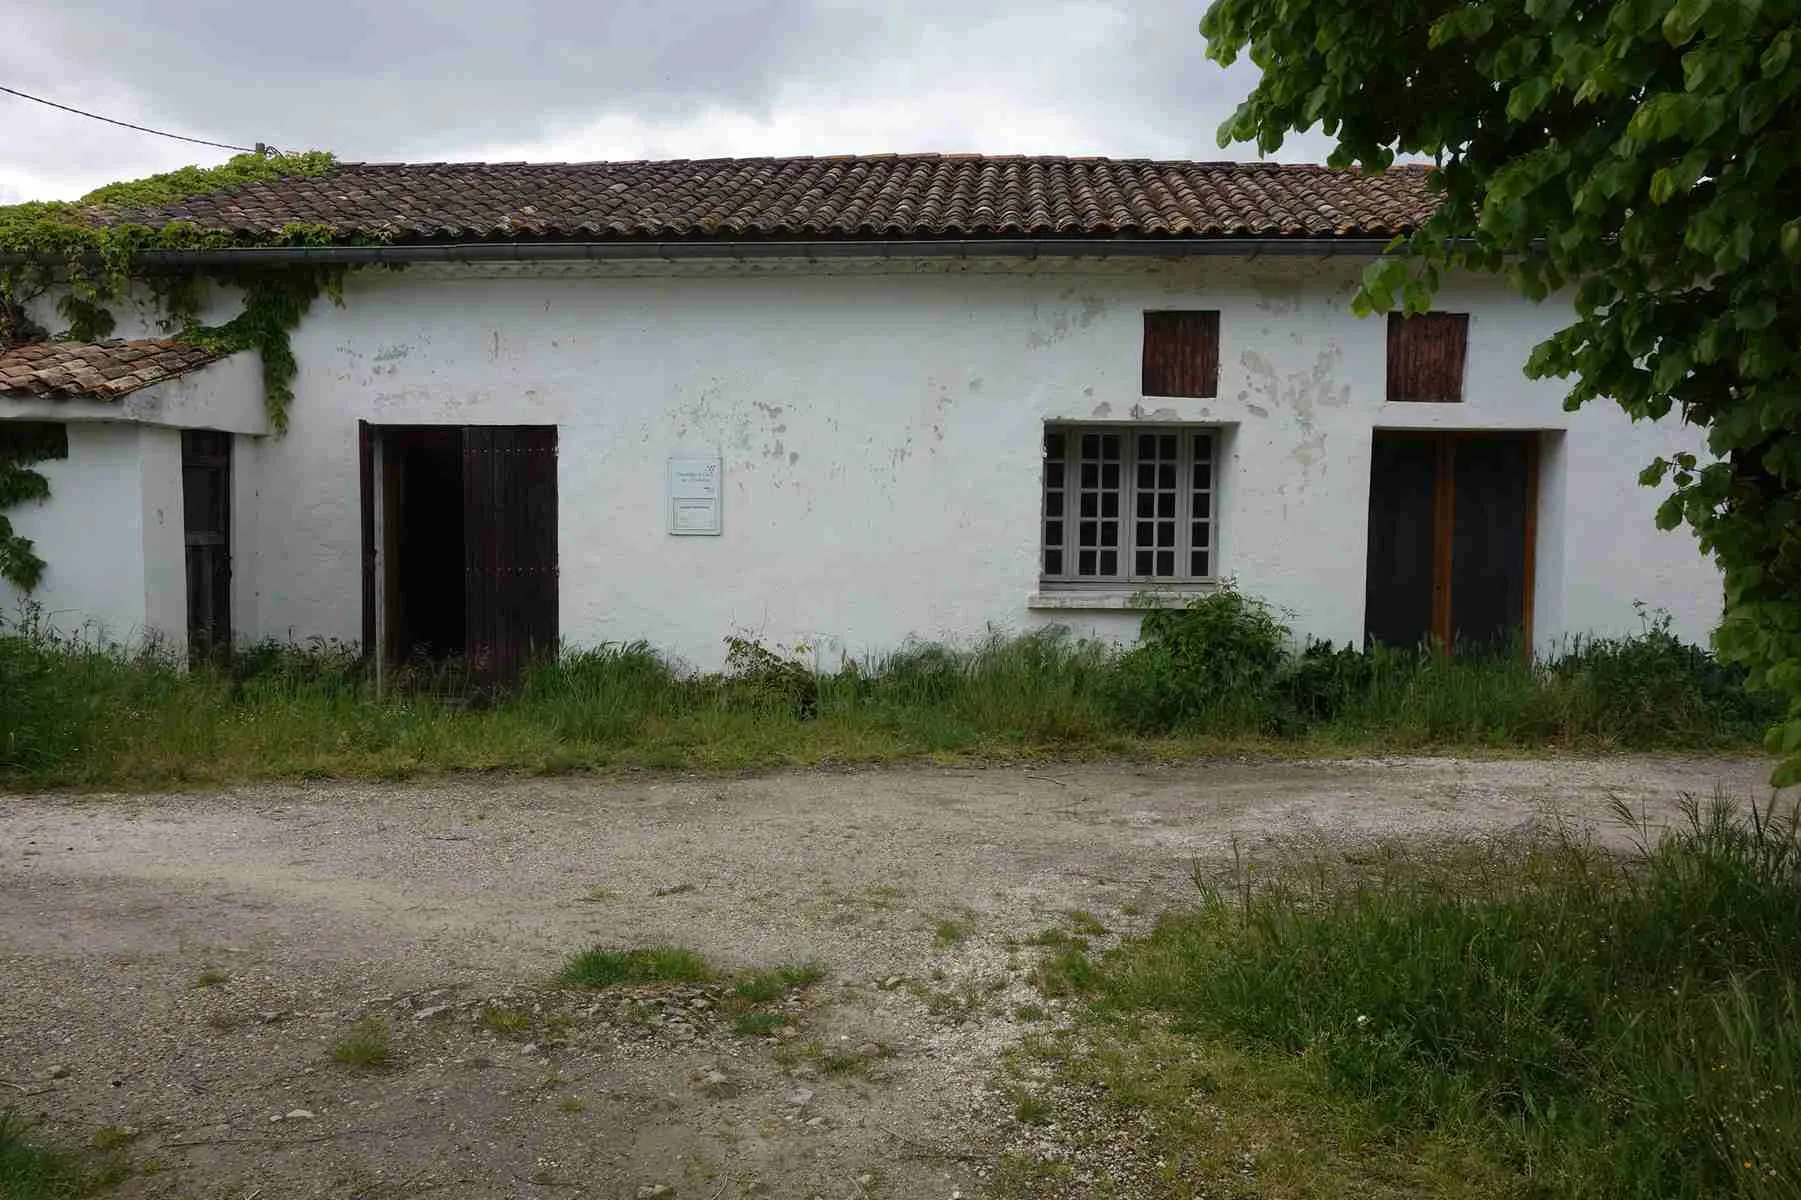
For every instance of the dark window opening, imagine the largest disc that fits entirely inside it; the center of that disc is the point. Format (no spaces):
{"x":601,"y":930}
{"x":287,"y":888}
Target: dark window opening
{"x":1426,"y":355}
{"x":1181,"y":353}
{"x":206,"y":530}
{"x":33,"y":441}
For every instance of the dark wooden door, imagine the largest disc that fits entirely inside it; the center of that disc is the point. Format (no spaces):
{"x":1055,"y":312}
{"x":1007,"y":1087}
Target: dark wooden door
{"x":1398,"y":585}
{"x":509,"y":547}
{"x":1490,"y":529}
{"x":1451,"y":527}
{"x":206,"y":530}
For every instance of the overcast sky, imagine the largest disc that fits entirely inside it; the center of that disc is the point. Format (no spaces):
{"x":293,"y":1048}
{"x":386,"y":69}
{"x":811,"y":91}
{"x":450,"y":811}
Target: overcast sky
{"x":551,"y":80}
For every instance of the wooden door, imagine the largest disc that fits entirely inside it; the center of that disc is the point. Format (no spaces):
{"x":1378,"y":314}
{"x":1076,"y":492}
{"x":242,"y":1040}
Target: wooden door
{"x":509,"y":547}
{"x":1491,"y":534}
{"x":1451,"y":528}
{"x":1398,"y":602}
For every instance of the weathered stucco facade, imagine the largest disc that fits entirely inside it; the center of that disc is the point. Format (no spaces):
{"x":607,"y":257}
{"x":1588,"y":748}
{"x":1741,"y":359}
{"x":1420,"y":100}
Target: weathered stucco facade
{"x":880,"y":423}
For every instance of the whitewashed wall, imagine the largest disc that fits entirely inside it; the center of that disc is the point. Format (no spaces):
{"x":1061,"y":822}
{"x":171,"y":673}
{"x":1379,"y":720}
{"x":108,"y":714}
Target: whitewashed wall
{"x":111,"y":536}
{"x":880,"y":425}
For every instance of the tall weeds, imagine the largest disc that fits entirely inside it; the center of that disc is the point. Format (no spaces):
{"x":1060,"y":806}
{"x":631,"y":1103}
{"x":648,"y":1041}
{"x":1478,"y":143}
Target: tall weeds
{"x":1213,"y":674}
{"x":1615,"y":1027}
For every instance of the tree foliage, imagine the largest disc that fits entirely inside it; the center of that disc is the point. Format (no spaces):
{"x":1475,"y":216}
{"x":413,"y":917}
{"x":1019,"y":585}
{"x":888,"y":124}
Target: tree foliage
{"x":1643,"y":157}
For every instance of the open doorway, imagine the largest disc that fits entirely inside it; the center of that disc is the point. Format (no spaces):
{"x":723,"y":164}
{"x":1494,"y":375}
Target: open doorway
{"x":460,"y":545}
{"x":423,"y":519}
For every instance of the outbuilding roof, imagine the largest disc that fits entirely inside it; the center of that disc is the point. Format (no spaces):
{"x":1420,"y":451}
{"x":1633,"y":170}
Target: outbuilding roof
{"x":96,"y":370}
{"x":901,"y":196}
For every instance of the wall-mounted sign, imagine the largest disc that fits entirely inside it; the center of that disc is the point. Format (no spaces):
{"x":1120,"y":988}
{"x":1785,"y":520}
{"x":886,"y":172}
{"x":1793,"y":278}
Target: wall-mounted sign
{"x":694,"y":494}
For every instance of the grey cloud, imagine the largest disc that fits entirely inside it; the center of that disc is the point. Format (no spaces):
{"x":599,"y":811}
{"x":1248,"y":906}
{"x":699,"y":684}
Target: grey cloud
{"x":437,"y":78}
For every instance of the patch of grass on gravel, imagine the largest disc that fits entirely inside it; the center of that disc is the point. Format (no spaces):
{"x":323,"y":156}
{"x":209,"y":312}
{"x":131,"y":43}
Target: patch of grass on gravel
{"x":30,"y":1170}
{"x":368,"y":1046}
{"x":506,"y":1022}
{"x":758,"y":1022}
{"x":601,"y":968}
{"x":1083,"y":922}
{"x":948,"y":932}
{"x":761,"y":987}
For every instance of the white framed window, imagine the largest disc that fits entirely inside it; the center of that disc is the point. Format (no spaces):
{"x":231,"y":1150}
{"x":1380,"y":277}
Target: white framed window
{"x":1127,"y":504}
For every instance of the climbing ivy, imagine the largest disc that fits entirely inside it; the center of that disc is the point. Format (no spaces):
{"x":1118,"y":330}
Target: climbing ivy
{"x":91,"y":249}
{"x":19,"y":561}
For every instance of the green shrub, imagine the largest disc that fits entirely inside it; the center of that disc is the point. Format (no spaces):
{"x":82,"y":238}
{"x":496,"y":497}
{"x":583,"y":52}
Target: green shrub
{"x":1214,"y":661}
{"x":762,"y":680}
{"x":1616,"y":1027}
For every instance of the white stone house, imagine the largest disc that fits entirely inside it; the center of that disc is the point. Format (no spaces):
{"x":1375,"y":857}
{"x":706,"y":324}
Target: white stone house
{"x":841,"y":403}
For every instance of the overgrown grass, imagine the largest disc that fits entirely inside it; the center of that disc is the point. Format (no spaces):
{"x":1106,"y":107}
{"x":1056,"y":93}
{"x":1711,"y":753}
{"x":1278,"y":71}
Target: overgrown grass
{"x":1595,"y":1026}
{"x":1210,"y":678}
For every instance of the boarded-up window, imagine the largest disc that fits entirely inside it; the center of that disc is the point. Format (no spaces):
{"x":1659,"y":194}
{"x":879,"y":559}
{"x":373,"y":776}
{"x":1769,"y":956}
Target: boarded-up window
{"x":1181,"y":353}
{"x":1425,"y":356}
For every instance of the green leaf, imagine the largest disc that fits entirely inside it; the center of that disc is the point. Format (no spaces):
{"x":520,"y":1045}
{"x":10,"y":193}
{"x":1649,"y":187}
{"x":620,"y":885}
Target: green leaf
{"x":1775,"y":58}
{"x":1683,"y":19}
{"x":1791,"y":240}
{"x":1527,"y":96}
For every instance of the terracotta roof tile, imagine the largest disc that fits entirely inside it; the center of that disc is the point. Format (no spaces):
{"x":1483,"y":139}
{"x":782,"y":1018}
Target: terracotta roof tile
{"x":95,"y":370}
{"x":882,"y":196}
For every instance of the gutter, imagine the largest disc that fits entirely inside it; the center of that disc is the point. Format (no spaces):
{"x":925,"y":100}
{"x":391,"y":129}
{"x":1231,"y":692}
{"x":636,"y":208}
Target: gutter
{"x":510,"y":252}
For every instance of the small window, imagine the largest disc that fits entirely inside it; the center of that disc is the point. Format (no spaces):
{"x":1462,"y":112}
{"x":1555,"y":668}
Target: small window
{"x":1425,"y":357}
{"x":1181,"y":353}
{"x":1127,"y":505}
{"x":33,"y":441}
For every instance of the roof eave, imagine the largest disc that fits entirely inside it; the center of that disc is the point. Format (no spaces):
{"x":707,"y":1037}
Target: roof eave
{"x":549,"y":251}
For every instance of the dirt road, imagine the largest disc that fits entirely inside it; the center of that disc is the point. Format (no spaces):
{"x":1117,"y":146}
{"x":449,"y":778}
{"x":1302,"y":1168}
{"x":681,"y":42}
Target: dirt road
{"x":176,"y":969}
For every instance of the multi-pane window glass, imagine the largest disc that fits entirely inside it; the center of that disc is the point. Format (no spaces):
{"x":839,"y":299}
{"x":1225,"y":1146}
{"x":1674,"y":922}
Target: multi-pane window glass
{"x":1125,"y":504}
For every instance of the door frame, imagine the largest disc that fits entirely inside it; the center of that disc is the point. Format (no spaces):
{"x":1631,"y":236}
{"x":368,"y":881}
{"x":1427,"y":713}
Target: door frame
{"x":380,"y":488}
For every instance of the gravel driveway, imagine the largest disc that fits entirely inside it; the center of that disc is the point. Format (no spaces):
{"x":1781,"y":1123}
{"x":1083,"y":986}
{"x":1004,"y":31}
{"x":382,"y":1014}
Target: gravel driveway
{"x":177,"y":968}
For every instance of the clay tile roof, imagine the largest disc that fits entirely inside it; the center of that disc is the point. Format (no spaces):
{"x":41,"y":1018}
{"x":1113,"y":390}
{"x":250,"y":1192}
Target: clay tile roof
{"x":902,"y":196}
{"x":95,"y":370}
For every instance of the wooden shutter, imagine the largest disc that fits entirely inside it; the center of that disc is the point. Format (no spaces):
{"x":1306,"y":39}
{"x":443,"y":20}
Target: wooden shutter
{"x":206,"y":530}
{"x":1181,"y":353}
{"x":1426,"y":355}
{"x":509,"y":547}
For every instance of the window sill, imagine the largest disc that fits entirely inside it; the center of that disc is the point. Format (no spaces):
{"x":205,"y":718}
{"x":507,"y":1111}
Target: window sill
{"x":1119,"y":598}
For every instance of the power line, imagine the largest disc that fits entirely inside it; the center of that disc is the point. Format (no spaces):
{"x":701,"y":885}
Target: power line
{"x":126,"y":124}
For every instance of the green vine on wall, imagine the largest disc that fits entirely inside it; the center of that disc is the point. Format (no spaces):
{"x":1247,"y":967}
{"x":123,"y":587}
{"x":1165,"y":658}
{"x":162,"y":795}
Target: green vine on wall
{"x":19,"y":561}
{"x":91,"y":248}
